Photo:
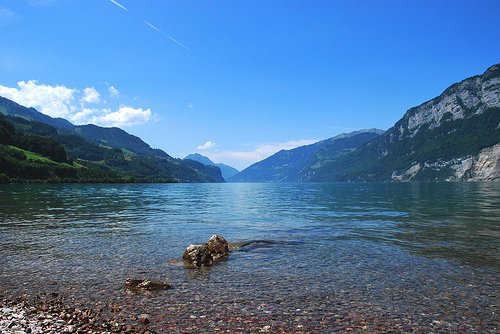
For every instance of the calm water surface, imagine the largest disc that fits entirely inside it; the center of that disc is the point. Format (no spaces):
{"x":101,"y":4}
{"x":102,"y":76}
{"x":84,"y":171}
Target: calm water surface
{"x":420,"y":252}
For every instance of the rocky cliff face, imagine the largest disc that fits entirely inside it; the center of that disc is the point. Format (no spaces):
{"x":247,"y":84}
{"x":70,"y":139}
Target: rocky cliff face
{"x":484,"y":166}
{"x":453,"y":137}
{"x":462,"y":100}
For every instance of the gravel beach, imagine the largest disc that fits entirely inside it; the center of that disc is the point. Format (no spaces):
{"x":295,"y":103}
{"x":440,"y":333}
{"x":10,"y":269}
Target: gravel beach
{"x":47,"y":313}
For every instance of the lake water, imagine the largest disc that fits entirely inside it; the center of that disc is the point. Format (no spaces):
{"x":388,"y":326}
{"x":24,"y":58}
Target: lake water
{"x":407,"y":256}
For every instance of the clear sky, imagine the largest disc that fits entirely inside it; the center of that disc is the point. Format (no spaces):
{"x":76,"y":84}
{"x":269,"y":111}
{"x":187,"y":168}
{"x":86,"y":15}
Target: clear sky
{"x":239,"y":80}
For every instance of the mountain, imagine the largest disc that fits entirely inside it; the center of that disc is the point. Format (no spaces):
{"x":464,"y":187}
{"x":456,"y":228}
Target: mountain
{"x":11,"y":108}
{"x":200,"y":158}
{"x":213,"y":171}
{"x":111,"y":137}
{"x":117,"y":138}
{"x":37,"y":147}
{"x":227,"y":171}
{"x":453,"y":137}
{"x":292,"y":165}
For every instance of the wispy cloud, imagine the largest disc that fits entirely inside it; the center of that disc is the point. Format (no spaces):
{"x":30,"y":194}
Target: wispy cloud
{"x":119,"y":5}
{"x":206,"y":146}
{"x":113,"y":92}
{"x":73,"y":104}
{"x":164,"y":34}
{"x":6,"y":15}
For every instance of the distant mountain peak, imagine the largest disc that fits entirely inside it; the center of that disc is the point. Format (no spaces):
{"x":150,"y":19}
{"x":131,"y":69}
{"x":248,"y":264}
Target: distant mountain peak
{"x":227,"y":171}
{"x":294,"y":165}
{"x":357,"y":132}
{"x":200,"y":158}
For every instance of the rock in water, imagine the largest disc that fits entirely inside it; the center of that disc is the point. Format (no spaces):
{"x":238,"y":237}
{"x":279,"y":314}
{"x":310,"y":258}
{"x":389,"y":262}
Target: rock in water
{"x":218,"y":247}
{"x":205,"y":254}
{"x":147,"y":285}
{"x":198,"y":255}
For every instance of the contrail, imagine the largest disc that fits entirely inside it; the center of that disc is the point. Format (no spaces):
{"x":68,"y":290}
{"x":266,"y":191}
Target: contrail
{"x":116,"y":3}
{"x":152,"y":26}
{"x":171,"y":38}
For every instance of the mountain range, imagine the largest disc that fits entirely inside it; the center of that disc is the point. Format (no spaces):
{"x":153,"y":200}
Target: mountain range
{"x":29,"y":141}
{"x":227,"y":171}
{"x":453,"y":137}
{"x":291,"y":165}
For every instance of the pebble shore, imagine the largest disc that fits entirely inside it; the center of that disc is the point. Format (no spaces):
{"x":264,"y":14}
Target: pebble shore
{"x":48,"y":314}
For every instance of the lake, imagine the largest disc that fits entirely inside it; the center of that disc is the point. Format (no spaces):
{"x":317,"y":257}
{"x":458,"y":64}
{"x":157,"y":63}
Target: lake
{"x":369,"y":256}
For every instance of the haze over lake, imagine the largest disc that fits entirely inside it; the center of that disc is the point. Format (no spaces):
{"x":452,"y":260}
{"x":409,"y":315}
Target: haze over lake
{"x":401,"y":253}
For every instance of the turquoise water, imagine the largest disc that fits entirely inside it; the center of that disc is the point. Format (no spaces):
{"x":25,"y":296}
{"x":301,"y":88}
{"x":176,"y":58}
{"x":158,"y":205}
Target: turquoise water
{"x":411,"y":252}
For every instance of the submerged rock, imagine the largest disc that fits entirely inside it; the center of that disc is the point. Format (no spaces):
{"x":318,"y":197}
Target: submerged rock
{"x":218,"y":247}
{"x":246,"y":246}
{"x":198,"y":255}
{"x":147,"y":285}
{"x":205,"y":254}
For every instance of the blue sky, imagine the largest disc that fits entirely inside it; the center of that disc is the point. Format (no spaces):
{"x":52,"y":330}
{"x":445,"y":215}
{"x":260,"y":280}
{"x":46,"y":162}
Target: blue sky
{"x":239,"y":80}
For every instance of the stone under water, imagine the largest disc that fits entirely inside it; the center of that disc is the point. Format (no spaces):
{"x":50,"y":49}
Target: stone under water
{"x":205,"y":254}
{"x":145,"y":285}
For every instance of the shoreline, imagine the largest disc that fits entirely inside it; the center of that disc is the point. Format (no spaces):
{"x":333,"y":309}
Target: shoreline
{"x":49,"y":313}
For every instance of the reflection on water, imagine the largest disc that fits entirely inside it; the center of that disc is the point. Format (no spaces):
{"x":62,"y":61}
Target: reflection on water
{"x":431,"y":244}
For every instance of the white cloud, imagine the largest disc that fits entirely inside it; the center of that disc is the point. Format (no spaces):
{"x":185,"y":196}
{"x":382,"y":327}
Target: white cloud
{"x":91,"y":95}
{"x":87,"y":115}
{"x":207,"y":145}
{"x":113,"y":92}
{"x":55,"y":101}
{"x":61,"y":101}
{"x":125,"y":116}
{"x":244,"y":158}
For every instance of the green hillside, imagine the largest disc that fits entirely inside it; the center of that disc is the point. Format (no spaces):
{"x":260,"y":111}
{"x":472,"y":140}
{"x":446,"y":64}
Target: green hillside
{"x":53,"y":151}
{"x":296,"y":164}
